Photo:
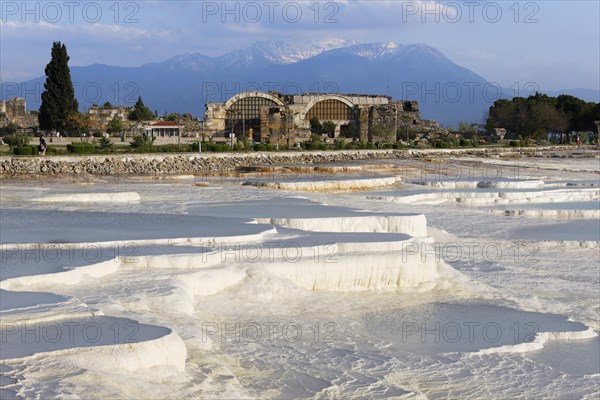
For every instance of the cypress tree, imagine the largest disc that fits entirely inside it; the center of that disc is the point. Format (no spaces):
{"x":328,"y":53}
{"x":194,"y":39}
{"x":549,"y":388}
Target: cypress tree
{"x":58,"y":98}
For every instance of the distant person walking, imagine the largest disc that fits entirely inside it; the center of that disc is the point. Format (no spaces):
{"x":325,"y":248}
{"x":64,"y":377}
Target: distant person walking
{"x":42,"y":146}
{"x":578,"y":141}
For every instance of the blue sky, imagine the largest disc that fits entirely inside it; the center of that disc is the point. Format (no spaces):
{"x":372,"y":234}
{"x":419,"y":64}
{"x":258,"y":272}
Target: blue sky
{"x":554,"y":44}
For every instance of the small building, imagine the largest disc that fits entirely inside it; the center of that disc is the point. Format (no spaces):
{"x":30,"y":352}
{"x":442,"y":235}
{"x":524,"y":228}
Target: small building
{"x":162,"y":129}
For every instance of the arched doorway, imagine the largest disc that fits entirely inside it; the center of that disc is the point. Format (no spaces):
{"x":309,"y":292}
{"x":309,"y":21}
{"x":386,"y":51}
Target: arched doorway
{"x":243,"y":112}
{"x":335,"y":110}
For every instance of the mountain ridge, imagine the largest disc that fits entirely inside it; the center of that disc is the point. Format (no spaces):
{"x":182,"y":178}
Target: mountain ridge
{"x":183,"y":83}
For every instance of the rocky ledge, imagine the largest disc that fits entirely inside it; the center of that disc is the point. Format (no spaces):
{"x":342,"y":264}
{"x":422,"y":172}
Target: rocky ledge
{"x":177,"y":163}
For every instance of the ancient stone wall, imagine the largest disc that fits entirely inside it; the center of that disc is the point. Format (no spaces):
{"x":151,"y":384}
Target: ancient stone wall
{"x":101,"y":116}
{"x":15,"y":111}
{"x":145,"y":164}
{"x":173,"y":164}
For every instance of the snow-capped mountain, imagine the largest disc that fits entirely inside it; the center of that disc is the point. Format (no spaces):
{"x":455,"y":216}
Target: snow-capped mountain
{"x":306,"y":50}
{"x":278,"y":52}
{"x":270,"y":52}
{"x":260,"y":53}
{"x":374,"y":50}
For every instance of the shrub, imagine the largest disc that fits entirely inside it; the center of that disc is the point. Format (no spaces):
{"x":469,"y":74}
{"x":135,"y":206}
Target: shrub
{"x":355,"y":145}
{"x":310,"y":145}
{"x":519,"y":143}
{"x":211,"y":147}
{"x":105,"y":143}
{"x":171,"y":148}
{"x":360,"y":145}
{"x":142,"y":142}
{"x":443,"y":144}
{"x":340,"y":144}
{"x":264,"y":147}
{"x":55,"y":150}
{"x":81,"y":148}
{"x":314,"y":143}
{"x":467,"y":142}
{"x":17,"y":140}
{"x":244,"y":142}
{"x":25,"y":150}
{"x":220,"y":147}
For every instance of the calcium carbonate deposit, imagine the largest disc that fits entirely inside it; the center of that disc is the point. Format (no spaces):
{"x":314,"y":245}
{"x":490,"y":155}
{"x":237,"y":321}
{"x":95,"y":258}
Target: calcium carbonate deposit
{"x":394,"y":280}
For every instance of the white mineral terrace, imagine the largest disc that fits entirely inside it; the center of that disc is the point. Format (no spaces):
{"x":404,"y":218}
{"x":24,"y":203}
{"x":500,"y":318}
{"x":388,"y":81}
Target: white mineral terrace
{"x":566,"y":214}
{"x":341,"y":184}
{"x":124,"y":197}
{"x":164,"y":288}
{"x":483,"y":198}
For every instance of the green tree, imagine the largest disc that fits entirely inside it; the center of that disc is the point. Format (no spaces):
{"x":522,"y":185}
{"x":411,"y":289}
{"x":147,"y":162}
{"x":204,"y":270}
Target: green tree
{"x":539,"y":113}
{"x":142,"y":142}
{"x":16,"y":140}
{"x":328,"y":127}
{"x":581,"y":115}
{"x":9,"y":129}
{"x":105,"y":143}
{"x":172,"y":117}
{"x":349,"y":131}
{"x":468,"y":131}
{"x":141,"y":112}
{"x":78,"y":125}
{"x":107,"y":105}
{"x":114,"y":126}
{"x":315,"y":126}
{"x":58,"y":98}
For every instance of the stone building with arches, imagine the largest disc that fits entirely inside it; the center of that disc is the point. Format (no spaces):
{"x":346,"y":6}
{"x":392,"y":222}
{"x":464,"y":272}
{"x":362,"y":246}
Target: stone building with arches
{"x":274,"y":117}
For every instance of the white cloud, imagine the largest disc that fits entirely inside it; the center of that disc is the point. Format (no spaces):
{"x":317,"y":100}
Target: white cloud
{"x":104,"y":32}
{"x":125,"y":33}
